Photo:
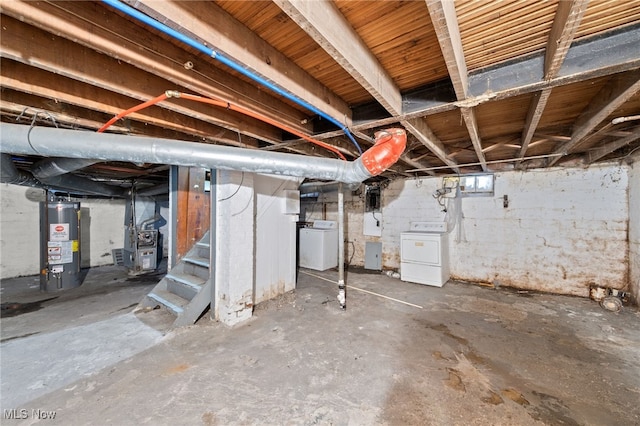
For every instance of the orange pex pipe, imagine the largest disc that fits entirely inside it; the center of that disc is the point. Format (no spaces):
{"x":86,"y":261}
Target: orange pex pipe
{"x":132,"y":110}
{"x":223,"y":105}
{"x":389,"y":146}
{"x":264,"y":119}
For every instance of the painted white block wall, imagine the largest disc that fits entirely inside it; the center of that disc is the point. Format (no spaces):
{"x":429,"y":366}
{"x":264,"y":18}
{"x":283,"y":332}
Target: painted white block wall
{"x":634,"y":230}
{"x":275,"y":237}
{"x":101,"y":226}
{"x":234,"y":270}
{"x":564,"y":229}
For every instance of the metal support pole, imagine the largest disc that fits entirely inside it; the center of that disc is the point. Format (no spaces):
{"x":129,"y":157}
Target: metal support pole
{"x":213,"y":238}
{"x":342,"y":296}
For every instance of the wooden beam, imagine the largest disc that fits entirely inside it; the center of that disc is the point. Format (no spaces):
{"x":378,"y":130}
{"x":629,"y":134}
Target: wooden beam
{"x":419,"y":128}
{"x":91,"y":25}
{"x":565,"y":24}
{"x":597,"y":154}
{"x":445,"y":24}
{"x":616,"y":92}
{"x":328,"y":27}
{"x":470,"y":121}
{"x":26,"y":44}
{"x":225,"y":34}
{"x":62,"y":90}
{"x":324,"y":23}
{"x":536,"y":108}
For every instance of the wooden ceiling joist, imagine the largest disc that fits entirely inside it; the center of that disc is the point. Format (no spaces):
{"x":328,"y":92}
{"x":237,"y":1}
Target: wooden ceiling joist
{"x":565,"y":24}
{"x":92,"y":26}
{"x":423,"y":133}
{"x":597,"y":154}
{"x":61,"y":90}
{"x":87,"y":66}
{"x":323,"y":22}
{"x":445,"y":24}
{"x":326,"y":25}
{"x":224,"y":33}
{"x":616,"y":92}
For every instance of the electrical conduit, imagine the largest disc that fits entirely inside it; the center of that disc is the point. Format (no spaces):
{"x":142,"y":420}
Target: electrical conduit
{"x":134,"y":13}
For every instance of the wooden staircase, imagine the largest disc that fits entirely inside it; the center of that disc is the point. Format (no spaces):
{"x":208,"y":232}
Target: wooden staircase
{"x":186,"y":290}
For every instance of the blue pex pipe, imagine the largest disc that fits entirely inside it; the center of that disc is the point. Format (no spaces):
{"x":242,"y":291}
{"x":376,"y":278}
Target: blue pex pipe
{"x":134,"y":13}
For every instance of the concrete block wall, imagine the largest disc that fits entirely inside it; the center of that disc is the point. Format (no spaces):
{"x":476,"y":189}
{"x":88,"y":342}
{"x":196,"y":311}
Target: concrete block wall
{"x":234,"y":269}
{"x":101,"y":226}
{"x":634,"y":231}
{"x":564,"y":229}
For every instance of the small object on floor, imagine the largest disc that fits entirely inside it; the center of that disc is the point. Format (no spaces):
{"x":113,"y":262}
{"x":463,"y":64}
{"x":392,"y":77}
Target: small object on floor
{"x":611,"y":303}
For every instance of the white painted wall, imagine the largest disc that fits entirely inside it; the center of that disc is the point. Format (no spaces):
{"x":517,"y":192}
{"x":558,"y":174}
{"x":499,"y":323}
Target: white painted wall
{"x":234,"y":271}
{"x":563,"y":229}
{"x":275,"y":237}
{"x":101,"y":226}
{"x":255,"y":242}
{"x":634,"y":230}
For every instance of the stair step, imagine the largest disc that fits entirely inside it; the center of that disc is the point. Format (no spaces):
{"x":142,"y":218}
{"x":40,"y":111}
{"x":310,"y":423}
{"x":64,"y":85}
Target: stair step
{"x":184,"y":285}
{"x":172,"y":301}
{"x":203,"y":244}
{"x":200,"y":261}
{"x":188,"y":279}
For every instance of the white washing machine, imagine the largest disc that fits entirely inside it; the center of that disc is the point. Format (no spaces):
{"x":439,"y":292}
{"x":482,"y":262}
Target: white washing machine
{"x":318,"y":246}
{"x":424,"y":254}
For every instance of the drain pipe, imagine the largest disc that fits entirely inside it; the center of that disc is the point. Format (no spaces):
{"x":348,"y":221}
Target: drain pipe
{"x":134,"y":13}
{"x":342,"y":295}
{"x":48,"y":141}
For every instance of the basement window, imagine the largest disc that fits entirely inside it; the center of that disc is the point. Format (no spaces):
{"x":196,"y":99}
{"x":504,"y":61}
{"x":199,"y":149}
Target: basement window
{"x":477,"y":185}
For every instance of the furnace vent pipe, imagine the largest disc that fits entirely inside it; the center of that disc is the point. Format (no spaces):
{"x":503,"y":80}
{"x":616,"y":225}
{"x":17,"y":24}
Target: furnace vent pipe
{"x":45,"y":141}
{"x":134,"y":13}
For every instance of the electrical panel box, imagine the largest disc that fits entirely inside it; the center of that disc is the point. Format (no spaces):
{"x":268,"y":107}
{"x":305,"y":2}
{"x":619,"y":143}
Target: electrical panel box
{"x":373,"y":256}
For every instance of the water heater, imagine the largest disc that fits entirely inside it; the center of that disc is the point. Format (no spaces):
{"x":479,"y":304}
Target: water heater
{"x":59,"y":245}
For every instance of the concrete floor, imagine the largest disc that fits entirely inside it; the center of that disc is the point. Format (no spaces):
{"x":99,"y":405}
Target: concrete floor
{"x":457,"y":355}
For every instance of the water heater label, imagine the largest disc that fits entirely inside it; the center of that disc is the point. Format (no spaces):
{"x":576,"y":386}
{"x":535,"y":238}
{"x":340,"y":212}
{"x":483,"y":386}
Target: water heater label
{"x":60,"y":252}
{"x":59,"y":232}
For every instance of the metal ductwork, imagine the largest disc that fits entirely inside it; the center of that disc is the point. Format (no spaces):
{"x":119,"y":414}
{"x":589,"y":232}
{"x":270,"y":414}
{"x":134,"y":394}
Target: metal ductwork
{"x":324,"y":187}
{"x":47,"y":141}
{"x":58,"y":166}
{"x":80,"y":185}
{"x":65,"y":182}
{"x":9,"y":173}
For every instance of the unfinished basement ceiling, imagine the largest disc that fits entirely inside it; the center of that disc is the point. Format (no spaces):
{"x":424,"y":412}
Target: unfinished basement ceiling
{"x":478,"y":85}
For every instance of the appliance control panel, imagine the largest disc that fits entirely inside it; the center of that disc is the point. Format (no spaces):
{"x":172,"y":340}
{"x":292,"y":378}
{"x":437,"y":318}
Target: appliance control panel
{"x":437,"y":227}
{"x":325,"y":224}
